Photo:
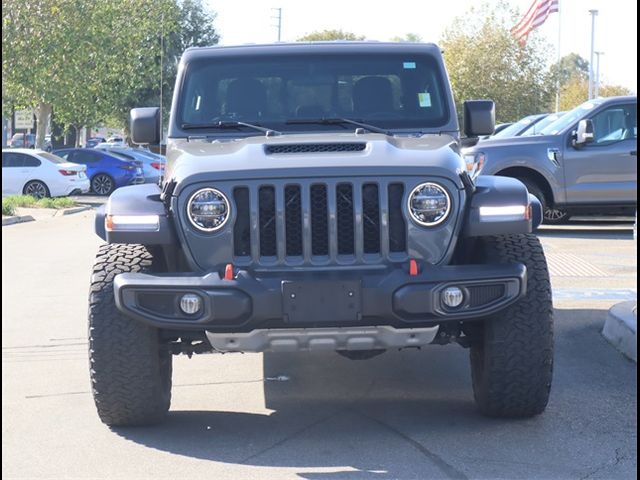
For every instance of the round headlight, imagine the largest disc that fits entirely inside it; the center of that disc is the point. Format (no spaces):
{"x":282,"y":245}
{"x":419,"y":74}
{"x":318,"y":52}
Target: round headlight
{"x":429,"y":204}
{"x":208,"y":210}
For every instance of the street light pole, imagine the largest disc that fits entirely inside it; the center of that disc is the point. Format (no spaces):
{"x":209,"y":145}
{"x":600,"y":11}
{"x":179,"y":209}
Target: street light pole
{"x":593,"y":13}
{"x":278,"y":17}
{"x":597,"y":87}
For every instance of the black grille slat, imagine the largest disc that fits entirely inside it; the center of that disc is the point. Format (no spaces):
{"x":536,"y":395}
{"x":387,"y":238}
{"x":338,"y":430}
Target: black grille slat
{"x":293,"y":220}
{"x":267,"y":220}
{"x":242,"y":227}
{"x":480,"y":295}
{"x":371,"y":218}
{"x":319,"y":221}
{"x":314,"y":148}
{"x":344,"y":202}
{"x":397,"y":225}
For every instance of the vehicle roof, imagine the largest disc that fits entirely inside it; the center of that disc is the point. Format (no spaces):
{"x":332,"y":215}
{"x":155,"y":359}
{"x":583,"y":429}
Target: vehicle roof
{"x":319,"y":48}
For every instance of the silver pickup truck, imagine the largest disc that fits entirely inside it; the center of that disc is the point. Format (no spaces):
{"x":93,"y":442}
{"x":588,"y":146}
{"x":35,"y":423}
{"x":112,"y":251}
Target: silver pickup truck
{"x":583,"y":163}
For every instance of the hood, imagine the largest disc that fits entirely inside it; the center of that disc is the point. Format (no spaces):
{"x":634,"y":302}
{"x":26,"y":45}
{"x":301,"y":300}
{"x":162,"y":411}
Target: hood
{"x":525,"y":142}
{"x":312,"y":155}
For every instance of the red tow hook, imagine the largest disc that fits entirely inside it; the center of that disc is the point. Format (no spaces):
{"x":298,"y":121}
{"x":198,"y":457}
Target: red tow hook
{"x":228,"y":272}
{"x":413,"y":268}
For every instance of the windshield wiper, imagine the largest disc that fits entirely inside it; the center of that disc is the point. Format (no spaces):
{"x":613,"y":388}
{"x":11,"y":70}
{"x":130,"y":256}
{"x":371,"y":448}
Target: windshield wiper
{"x":230,"y":124}
{"x":338,"y":121}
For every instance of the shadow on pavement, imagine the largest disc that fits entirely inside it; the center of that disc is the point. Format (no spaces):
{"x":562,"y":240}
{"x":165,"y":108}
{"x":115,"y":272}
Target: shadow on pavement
{"x":411,"y":413}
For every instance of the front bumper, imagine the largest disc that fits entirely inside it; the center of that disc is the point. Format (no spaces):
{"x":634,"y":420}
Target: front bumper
{"x":319,"y":299}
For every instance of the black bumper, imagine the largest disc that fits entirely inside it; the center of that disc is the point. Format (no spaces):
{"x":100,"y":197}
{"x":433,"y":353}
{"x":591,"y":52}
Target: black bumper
{"x":319,"y":299}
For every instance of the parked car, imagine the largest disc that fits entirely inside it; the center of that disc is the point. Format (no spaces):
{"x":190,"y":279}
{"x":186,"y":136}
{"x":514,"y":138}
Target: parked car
{"x":41,"y":174}
{"x":23,"y":140}
{"x":93,"y":141}
{"x":518,"y":127}
{"x":280,"y":229}
{"x":501,"y":126}
{"x":585,"y":162}
{"x":106,"y":171}
{"x":152,"y":164}
{"x":536,"y":127}
{"x":116,"y":139}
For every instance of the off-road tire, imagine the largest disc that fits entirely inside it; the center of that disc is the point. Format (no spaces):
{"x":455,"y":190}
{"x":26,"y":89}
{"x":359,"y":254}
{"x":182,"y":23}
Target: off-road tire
{"x":130,"y":367}
{"x":550,"y":215}
{"x":512,"y":358}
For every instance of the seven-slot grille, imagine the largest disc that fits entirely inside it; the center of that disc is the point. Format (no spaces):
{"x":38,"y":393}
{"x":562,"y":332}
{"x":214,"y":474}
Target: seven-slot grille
{"x":324,"y":221}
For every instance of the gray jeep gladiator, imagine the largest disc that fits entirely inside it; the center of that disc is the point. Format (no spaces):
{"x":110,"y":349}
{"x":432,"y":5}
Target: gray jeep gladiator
{"x":315,"y":198}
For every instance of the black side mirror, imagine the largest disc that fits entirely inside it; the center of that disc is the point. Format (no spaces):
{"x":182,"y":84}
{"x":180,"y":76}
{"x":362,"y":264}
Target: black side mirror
{"x":479,"y":117}
{"x":145,"y":126}
{"x":584,"y":134}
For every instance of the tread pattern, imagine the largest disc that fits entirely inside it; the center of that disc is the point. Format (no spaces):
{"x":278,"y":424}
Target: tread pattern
{"x":512,"y":366}
{"x":130,"y":368}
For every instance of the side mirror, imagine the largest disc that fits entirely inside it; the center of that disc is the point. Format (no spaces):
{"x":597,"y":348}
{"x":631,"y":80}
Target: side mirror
{"x":584,"y":134}
{"x":145,"y":126}
{"x":479,"y":117}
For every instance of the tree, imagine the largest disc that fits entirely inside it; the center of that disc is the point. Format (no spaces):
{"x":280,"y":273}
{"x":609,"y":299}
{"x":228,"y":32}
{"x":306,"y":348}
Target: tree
{"x":485,"y":61}
{"x":329,"y":35}
{"x":79,"y":58}
{"x":576,"y":91}
{"x":572,"y":66}
{"x":409,"y":37}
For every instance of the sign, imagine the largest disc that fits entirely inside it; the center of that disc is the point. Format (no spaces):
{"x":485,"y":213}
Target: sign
{"x":23,"y":119}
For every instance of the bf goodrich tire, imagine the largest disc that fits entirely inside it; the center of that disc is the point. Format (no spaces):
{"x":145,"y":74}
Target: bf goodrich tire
{"x":512,"y":358}
{"x":130,"y":367}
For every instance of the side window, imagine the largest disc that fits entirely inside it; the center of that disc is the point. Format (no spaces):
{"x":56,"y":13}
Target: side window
{"x":12,"y":160}
{"x":85,"y":157}
{"x":615,"y":124}
{"x":30,"y":161}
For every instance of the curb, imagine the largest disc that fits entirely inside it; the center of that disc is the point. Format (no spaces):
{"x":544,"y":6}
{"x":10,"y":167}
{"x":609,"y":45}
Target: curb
{"x":17,"y":219}
{"x":69,"y":211}
{"x":621,"y":328}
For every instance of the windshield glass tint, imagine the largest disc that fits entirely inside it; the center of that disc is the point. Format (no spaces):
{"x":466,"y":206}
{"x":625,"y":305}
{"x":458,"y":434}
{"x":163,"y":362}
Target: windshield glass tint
{"x":568,"y":118}
{"x":513,"y":130}
{"x":390,"y":91}
{"x":51,"y":157}
{"x":537,"y":127}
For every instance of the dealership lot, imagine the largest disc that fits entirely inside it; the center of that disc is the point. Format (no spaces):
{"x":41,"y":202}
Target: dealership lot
{"x":406,"y":415}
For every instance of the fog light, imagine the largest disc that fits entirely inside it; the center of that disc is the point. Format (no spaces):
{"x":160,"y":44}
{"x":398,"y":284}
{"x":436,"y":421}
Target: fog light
{"x":190,"y":303}
{"x":452,"y":297}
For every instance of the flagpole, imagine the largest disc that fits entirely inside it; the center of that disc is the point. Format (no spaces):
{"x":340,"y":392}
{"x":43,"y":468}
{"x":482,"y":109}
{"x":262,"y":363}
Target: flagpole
{"x":559,"y":57}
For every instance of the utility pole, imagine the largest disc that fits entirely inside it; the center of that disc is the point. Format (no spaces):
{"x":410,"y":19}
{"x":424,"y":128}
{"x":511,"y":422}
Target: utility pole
{"x":593,"y":13}
{"x":161,"y":77}
{"x":597,"y":87}
{"x":278,"y":18}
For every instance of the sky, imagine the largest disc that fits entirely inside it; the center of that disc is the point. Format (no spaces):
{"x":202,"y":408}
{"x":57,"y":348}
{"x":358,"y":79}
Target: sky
{"x":616,"y":31}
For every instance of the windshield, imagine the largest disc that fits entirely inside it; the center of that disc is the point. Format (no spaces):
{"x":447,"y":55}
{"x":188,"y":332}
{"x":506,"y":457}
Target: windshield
{"x":568,"y":118}
{"x":51,"y":157}
{"x":537,"y":127}
{"x":516,"y":128}
{"x":387,"y":91}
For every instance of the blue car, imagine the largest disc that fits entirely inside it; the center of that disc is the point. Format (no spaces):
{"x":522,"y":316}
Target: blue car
{"x":105,"y":170}
{"x":152,"y":164}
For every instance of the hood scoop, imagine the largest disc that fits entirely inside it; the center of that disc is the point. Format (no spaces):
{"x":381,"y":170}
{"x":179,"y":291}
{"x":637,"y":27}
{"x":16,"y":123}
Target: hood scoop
{"x":281,"y":149}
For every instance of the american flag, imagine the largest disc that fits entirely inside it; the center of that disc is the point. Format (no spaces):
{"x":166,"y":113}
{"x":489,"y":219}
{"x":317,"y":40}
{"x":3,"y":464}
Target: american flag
{"x":537,"y":14}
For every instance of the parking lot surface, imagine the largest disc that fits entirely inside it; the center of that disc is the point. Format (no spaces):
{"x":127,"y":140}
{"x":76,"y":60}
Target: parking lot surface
{"x":402,"y":415}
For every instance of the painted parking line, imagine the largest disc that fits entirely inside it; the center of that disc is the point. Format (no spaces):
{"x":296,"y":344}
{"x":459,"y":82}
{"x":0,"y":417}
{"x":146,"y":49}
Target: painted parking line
{"x":623,"y":294}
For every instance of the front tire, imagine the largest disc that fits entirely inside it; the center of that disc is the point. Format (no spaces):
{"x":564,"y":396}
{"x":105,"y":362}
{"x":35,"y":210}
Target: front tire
{"x":512,"y":356}
{"x":130,"y":366}
{"x":551,"y":215}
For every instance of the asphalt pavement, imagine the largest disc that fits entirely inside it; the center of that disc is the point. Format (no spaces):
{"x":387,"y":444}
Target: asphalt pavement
{"x":402,"y":415}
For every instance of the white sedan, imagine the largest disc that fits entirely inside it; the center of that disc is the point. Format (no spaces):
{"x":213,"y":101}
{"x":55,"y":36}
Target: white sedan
{"x":41,"y":174}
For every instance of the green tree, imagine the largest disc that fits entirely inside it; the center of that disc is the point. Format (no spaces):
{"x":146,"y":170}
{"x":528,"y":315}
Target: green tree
{"x":409,"y":37}
{"x":576,"y":91}
{"x":79,"y":58}
{"x":485,"y":61}
{"x":329,"y":35}
{"x":572,"y":66}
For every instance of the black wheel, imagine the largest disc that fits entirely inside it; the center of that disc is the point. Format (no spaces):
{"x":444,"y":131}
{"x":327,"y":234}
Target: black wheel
{"x":102,"y":184}
{"x":130,"y":367}
{"x":512,"y":355}
{"x":551,"y":215}
{"x":36,"y":189}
